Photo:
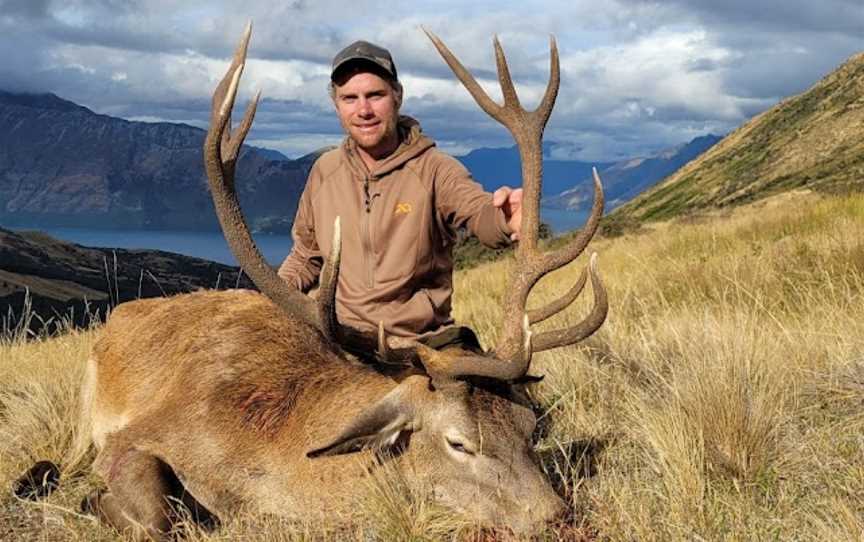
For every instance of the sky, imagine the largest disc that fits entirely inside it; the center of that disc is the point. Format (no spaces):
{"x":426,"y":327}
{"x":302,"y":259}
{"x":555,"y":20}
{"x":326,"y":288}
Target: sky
{"x":637,"y":76}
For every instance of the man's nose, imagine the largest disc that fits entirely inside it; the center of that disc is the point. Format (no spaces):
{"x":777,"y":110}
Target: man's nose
{"x":365,"y":108}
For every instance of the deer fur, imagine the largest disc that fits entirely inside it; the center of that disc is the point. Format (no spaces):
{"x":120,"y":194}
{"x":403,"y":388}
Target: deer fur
{"x":223,"y":392}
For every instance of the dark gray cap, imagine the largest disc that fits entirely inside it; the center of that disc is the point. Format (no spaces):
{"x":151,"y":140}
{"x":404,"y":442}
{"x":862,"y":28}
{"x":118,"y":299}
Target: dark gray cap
{"x":364,"y":51}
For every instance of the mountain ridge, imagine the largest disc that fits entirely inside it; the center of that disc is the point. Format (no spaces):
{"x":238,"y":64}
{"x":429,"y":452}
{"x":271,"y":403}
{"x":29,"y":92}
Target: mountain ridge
{"x":625,"y":179}
{"x":494,"y":167}
{"x":63,"y":164}
{"x":813,"y":140}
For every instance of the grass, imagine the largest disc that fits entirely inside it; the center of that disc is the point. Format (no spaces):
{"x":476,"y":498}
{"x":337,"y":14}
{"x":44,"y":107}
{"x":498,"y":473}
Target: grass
{"x":722,"y":399}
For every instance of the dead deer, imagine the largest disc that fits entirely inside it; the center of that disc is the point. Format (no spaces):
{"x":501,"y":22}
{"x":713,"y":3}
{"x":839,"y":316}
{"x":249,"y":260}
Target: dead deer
{"x":238,"y":400}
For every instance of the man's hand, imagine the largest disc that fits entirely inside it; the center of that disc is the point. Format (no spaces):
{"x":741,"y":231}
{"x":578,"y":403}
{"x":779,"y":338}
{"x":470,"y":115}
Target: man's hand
{"x":510,"y":201}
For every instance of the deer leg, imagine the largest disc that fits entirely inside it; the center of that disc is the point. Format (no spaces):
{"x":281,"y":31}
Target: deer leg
{"x":136,"y":500}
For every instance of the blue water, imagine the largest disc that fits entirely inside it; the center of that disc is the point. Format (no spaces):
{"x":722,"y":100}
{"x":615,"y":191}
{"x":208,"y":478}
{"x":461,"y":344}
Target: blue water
{"x":563,"y":221}
{"x":212,"y":245}
{"x":207,"y":245}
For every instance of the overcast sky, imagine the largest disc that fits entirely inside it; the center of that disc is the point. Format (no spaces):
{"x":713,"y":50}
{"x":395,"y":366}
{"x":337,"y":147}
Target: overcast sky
{"x":637,"y":76}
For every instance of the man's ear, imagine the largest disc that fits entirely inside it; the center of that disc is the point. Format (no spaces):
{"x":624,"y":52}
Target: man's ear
{"x":380,"y":425}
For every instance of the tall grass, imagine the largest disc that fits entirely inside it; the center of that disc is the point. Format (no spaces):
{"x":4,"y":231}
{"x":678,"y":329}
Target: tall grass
{"x":728,"y":381}
{"x":722,"y":400}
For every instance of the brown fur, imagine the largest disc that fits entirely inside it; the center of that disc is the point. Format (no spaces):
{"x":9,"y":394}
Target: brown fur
{"x":230,"y":396}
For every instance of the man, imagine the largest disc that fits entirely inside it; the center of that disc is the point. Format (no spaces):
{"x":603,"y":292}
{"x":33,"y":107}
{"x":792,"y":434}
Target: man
{"x":400,"y":201}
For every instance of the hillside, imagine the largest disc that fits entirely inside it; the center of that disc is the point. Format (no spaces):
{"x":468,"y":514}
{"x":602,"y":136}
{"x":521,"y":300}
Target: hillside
{"x":60,"y":277}
{"x":814,"y":140}
{"x":62,"y":164}
{"x":622,"y":181}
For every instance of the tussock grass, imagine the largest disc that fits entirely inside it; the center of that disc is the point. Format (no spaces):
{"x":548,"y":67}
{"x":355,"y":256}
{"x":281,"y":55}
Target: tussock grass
{"x":722,"y":400}
{"x":726,"y":388}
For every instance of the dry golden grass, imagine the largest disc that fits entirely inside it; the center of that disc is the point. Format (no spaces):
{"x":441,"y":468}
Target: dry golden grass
{"x":722,"y":400}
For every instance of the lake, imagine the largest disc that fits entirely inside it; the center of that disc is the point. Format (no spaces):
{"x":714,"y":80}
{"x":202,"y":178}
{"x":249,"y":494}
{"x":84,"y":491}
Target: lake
{"x":212,"y":245}
{"x":207,"y":245}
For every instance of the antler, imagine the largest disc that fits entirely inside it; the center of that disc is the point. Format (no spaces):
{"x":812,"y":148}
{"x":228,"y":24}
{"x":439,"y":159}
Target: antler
{"x":527,"y":127}
{"x":221,"y":148}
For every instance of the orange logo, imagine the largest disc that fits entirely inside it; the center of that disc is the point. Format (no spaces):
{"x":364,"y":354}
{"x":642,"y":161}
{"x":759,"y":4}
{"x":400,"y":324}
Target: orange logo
{"x":403,"y":208}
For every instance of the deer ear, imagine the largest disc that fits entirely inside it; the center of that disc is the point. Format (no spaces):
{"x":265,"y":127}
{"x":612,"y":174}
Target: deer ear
{"x":379,"y":426}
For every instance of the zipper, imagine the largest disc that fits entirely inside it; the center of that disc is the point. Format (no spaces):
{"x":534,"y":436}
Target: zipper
{"x":366,"y":237}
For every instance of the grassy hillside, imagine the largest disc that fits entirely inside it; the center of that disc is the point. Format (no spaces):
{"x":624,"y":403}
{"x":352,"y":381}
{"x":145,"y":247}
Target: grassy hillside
{"x":722,"y":399}
{"x":813,"y":140}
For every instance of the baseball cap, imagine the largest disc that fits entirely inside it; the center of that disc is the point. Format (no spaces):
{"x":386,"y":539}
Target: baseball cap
{"x":365,"y":52}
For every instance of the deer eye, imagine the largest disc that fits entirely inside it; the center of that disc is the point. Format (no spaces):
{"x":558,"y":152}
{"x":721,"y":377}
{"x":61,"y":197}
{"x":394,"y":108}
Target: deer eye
{"x":459,"y":446}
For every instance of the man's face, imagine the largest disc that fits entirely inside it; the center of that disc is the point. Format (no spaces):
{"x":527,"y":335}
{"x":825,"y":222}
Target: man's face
{"x":368,"y":110}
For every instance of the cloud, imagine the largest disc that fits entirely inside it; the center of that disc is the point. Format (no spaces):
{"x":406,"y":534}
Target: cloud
{"x":637,"y":76}
{"x":826,"y":16}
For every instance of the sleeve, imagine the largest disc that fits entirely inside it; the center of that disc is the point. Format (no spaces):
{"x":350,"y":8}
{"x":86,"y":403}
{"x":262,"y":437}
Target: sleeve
{"x":463,"y":202}
{"x":303,"y":264}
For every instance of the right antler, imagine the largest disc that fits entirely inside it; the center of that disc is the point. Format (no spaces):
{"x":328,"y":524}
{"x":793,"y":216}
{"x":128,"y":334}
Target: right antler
{"x":516,"y":345}
{"x":221,"y":148}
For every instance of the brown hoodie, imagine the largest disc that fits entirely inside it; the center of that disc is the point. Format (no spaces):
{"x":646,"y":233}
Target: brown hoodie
{"x":398,"y":228}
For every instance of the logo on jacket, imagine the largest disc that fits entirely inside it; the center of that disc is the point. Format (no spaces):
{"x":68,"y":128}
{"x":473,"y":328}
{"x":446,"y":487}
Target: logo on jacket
{"x":402,"y":208}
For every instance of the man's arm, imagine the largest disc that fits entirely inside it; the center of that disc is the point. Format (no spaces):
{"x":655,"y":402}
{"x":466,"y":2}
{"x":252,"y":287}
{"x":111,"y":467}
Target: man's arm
{"x":303,"y":265}
{"x":463,"y":202}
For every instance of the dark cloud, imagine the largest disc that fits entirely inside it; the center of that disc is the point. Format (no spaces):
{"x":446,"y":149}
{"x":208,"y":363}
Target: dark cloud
{"x":29,"y":9}
{"x":825,"y":16}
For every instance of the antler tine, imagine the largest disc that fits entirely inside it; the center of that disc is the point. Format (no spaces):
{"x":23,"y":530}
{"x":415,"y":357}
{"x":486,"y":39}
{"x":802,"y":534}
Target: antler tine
{"x":558,"y":305}
{"x":220,"y":154}
{"x":226,"y":91}
{"x":563,"y":337}
{"x":483,"y":100}
{"x":328,"y":281}
{"x":384,"y":352}
{"x":511,"y":100}
{"x":572,"y":250}
{"x":544,"y":110}
{"x":446,"y":366}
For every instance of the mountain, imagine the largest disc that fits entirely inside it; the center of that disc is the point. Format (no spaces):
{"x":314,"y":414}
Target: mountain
{"x":62,"y":164}
{"x":270,"y":154}
{"x":622,"y":181}
{"x":62,"y":278}
{"x":494,"y":167}
{"x":813,"y":140}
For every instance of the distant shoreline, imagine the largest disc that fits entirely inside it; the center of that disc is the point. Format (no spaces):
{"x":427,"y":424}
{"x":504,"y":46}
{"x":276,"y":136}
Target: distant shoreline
{"x":208,"y":245}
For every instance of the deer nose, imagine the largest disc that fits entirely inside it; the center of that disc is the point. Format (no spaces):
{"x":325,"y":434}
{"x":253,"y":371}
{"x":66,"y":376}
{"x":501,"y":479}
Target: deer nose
{"x":551,"y":508}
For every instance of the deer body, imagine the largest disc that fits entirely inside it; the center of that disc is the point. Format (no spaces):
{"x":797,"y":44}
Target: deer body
{"x":232,"y":412}
{"x":233,"y":415}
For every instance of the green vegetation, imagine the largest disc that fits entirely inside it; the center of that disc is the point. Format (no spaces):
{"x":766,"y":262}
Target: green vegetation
{"x":469,"y":252}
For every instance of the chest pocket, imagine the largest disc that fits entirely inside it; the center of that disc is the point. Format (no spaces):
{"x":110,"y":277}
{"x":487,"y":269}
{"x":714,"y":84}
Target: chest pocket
{"x":401,"y":234}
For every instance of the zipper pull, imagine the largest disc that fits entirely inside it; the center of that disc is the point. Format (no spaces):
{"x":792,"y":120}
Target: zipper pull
{"x":368,"y":197}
